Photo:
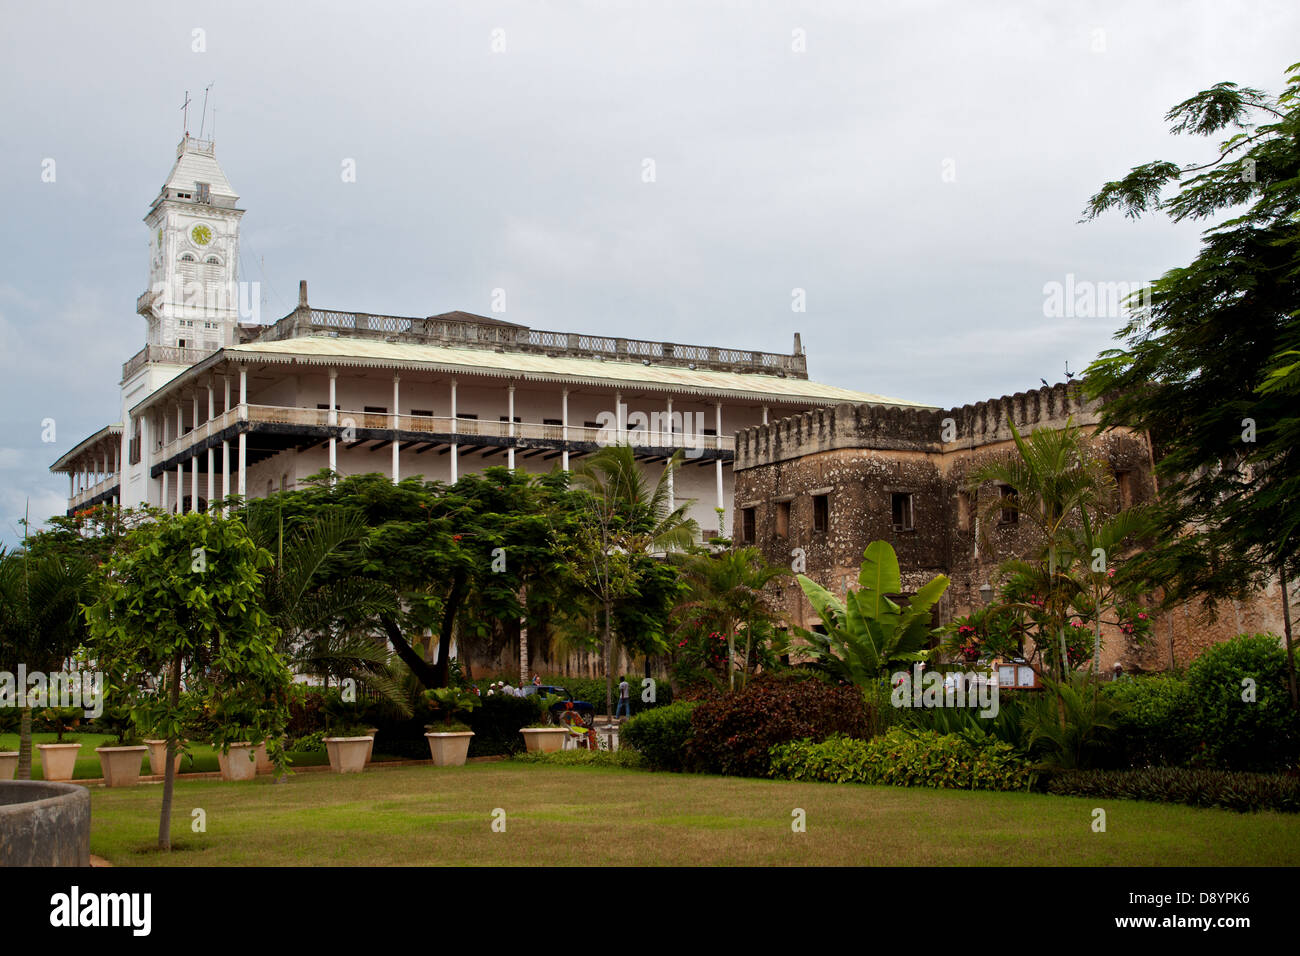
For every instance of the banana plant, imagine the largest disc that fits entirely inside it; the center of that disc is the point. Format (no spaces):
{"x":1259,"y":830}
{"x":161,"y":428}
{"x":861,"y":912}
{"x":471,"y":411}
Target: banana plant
{"x":868,"y":634}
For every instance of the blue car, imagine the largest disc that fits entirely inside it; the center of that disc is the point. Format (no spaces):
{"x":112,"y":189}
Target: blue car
{"x":581,"y":711}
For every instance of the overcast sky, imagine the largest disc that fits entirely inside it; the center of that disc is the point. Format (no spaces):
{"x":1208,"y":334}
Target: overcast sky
{"x":918,"y":169}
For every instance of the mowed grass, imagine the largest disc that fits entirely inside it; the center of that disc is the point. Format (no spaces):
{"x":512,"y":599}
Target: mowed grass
{"x":603,"y":816}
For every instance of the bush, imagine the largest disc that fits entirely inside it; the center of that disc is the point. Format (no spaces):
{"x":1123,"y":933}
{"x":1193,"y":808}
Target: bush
{"x":734,"y":733}
{"x":661,"y":735}
{"x":1235,"y":734}
{"x":1243,"y":792}
{"x":1152,"y":723}
{"x":905,"y":758}
{"x":625,"y":759}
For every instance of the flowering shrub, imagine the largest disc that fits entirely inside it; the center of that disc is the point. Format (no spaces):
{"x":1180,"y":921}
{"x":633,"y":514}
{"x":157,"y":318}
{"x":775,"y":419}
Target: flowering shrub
{"x":732,"y":734}
{"x":660,"y":735}
{"x":904,"y":758}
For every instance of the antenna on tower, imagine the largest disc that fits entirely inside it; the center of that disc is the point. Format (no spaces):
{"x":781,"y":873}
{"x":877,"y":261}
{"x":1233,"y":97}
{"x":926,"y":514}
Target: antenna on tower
{"x":204,"y":119}
{"x":185,"y":114}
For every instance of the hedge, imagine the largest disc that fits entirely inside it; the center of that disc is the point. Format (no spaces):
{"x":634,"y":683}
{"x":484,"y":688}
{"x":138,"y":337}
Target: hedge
{"x":905,"y":758}
{"x":661,"y":735}
{"x":1243,"y":792}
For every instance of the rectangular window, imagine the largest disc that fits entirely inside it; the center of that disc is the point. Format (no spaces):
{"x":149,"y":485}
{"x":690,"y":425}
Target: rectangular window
{"x":324,"y":406}
{"x":203,"y":192}
{"x":472,"y":418}
{"x":180,"y":343}
{"x":783,"y":519}
{"x":426,"y":412}
{"x":963,"y":510}
{"x":553,"y":421}
{"x":747,"y":525}
{"x":901,"y":507}
{"x":591,"y":425}
{"x":1124,"y":482}
{"x":505,"y":419}
{"x":821,"y":513}
{"x":376,"y":409}
{"x":1009,"y":515}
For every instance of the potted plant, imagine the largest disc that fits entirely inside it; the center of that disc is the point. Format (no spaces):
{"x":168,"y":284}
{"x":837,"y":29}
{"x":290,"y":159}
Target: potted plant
{"x":449,"y":739}
{"x":543,"y":736}
{"x":8,"y":764}
{"x":349,"y":748}
{"x":59,"y":759}
{"x":237,"y":759}
{"x":158,"y":756}
{"x":122,"y":759}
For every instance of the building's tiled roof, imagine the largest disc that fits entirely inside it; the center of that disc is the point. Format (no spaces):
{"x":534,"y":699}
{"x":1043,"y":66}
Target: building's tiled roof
{"x":345,"y":351}
{"x":67,"y":458}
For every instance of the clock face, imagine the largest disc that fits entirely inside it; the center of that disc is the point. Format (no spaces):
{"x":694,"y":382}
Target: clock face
{"x":201,"y":235}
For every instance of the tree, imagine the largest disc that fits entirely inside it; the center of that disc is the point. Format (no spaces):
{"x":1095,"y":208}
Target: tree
{"x":623,"y":523}
{"x":725,"y":596}
{"x":1208,"y":367}
{"x":40,"y":620}
{"x":184,"y":597}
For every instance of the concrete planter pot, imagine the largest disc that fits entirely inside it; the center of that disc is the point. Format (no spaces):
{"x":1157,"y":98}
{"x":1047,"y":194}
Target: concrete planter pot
{"x":348,"y":754}
{"x":44,"y":824}
{"x":240,"y":763}
{"x":261,"y":760}
{"x":449,"y":749}
{"x":373,"y":732}
{"x":8,"y":764}
{"x":158,"y":756}
{"x":544,"y":740}
{"x":58,"y":761}
{"x":121,"y":764}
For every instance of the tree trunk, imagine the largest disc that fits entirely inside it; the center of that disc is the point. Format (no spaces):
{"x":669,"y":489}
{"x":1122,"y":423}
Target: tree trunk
{"x":169,"y":774}
{"x":442,"y":668}
{"x":421,"y":668}
{"x":609,"y":675}
{"x":25,"y":745}
{"x":523,"y":657}
{"x":1286,"y":629}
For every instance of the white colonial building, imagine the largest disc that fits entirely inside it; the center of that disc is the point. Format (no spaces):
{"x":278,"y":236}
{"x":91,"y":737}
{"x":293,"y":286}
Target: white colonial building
{"x":212,"y":406}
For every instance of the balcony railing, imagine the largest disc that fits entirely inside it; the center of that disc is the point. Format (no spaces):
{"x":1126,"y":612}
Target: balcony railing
{"x":441,"y":425}
{"x":166,"y":354}
{"x":87,"y":494}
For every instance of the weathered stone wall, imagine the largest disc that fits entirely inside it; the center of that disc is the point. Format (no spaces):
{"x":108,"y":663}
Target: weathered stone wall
{"x":859,"y":455}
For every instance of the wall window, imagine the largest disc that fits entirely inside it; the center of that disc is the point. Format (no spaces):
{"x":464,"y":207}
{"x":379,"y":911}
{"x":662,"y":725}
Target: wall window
{"x":1124,"y":482}
{"x":376,"y":409}
{"x":901,"y":508}
{"x":821,"y":513}
{"x":964,"y":508}
{"x":553,"y":421}
{"x":747,"y":525}
{"x":426,"y":412}
{"x":1009,"y":514}
{"x":783,"y":519}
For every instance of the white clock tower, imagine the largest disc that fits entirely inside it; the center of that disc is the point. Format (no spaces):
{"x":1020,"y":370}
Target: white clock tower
{"x":193,"y":298}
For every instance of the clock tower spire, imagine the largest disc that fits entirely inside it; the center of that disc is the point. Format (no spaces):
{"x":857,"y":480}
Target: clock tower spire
{"x":193,"y":301}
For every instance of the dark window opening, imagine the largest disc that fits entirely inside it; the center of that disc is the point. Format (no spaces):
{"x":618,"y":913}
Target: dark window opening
{"x":1124,"y":482}
{"x":963,"y":510}
{"x":553,"y":421}
{"x":1009,"y":515}
{"x":426,"y":412}
{"x":901,"y":508}
{"x":376,"y":409}
{"x":821,"y":513}
{"x":747,"y":525}
{"x":782,"y":519}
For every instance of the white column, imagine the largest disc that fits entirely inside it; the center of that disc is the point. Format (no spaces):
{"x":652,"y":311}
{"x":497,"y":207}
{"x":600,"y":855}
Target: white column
{"x":396,"y":411}
{"x":672,"y":441}
{"x":225,"y":469}
{"x":564,"y":427}
{"x":510,"y":426}
{"x":72,"y":484}
{"x":180,"y":487}
{"x":166,"y":491}
{"x":764,"y":414}
{"x":718,"y":462}
{"x":243,"y":464}
{"x":212,"y":474}
{"x":243,"y":392}
{"x":225,"y":394}
{"x":194,"y":459}
{"x":454,"y":446}
{"x":333,"y":419}
{"x":618,"y":417}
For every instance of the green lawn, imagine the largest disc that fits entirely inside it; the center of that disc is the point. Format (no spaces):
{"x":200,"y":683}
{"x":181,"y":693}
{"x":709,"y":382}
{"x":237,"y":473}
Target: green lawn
{"x":602,"y":816}
{"x":88,"y":767}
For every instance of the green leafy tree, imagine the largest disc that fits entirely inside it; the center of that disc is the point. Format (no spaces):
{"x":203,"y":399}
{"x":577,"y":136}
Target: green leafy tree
{"x":183,"y":601}
{"x":1208,"y":365}
{"x":725,"y":596}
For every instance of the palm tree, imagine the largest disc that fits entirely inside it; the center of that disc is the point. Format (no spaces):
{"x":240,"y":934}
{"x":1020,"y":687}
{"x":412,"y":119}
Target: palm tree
{"x":1055,"y":481}
{"x":324,"y":618}
{"x":41,"y":622}
{"x":726,"y":595}
{"x":624,"y":521}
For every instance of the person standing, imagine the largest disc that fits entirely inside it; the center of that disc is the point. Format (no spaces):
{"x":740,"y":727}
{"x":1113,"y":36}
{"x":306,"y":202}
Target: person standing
{"x":624,"y":698}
